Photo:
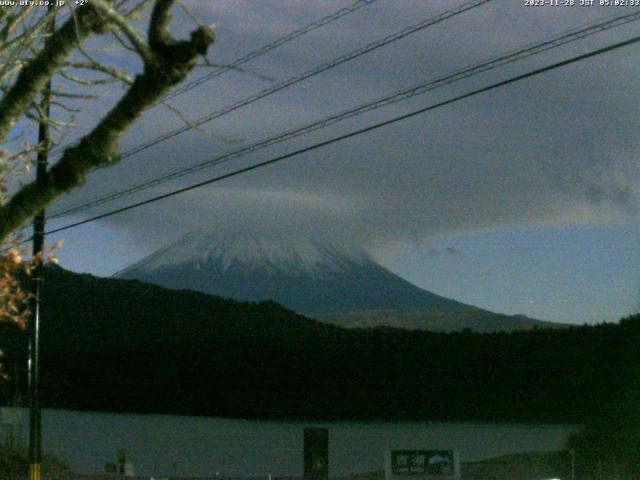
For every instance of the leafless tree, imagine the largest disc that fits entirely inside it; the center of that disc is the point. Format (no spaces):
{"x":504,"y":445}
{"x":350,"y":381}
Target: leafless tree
{"x":31,"y":54}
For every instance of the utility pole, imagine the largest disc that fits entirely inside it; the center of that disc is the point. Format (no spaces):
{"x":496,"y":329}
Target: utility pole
{"x":572,"y":452}
{"x":35,"y":416}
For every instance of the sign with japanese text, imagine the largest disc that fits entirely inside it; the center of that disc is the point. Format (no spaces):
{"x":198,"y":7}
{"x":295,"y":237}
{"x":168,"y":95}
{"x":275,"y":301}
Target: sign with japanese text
{"x":422,"y":463}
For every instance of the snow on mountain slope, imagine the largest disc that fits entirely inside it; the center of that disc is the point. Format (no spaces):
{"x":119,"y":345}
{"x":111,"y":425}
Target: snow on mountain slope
{"x":334,"y":281}
{"x":270,"y":255}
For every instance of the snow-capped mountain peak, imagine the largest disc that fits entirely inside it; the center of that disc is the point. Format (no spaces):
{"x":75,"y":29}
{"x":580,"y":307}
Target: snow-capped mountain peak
{"x":326,"y":279}
{"x":272,"y":254}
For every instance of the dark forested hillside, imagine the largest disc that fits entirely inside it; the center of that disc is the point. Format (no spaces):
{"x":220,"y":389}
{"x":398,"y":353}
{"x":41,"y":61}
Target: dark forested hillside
{"x":121,"y":345}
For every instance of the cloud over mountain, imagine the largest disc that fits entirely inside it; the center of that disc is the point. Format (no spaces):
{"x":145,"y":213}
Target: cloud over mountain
{"x":318,"y":277}
{"x":546,"y":150}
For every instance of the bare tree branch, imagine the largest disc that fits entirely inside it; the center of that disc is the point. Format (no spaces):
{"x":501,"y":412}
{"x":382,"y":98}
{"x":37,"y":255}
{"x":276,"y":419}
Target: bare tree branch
{"x":193,"y":126}
{"x":159,"y":38}
{"x":169,"y":63}
{"x":123,"y":42}
{"x":104,"y":69}
{"x":137,"y":9}
{"x":123,"y":24}
{"x":12,"y":21}
{"x":34,"y":76}
{"x":81,"y":96}
{"x":64,"y":107}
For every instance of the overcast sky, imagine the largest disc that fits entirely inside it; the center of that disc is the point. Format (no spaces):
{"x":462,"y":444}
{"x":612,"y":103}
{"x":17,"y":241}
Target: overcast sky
{"x":520,"y":200}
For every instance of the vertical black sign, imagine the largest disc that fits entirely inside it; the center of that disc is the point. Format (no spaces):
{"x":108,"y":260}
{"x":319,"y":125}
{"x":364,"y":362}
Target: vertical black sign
{"x":316,"y":454}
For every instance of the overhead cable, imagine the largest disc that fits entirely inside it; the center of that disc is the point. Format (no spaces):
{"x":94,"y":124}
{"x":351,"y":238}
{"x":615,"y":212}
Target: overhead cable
{"x":405,"y":32}
{"x":430,"y":85}
{"x":352,"y":134}
{"x":270,"y":46}
{"x":234,"y":65}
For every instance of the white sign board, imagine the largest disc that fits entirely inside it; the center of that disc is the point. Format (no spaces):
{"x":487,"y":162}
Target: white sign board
{"x":422,"y":464}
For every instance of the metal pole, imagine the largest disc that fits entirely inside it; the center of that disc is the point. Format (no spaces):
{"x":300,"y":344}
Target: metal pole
{"x":572,"y":452}
{"x":35,"y":416}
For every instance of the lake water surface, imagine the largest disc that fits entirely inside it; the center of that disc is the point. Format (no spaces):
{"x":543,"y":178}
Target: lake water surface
{"x":200,"y":446}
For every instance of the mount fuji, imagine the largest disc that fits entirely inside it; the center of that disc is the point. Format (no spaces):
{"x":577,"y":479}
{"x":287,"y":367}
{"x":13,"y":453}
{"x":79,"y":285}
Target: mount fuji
{"x":331,"y":281}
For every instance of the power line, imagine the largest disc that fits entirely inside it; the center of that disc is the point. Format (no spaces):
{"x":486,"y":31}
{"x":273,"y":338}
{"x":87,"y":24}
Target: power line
{"x":325,"y":143}
{"x":271,"y":46}
{"x":515,"y":55}
{"x":309,"y":73}
{"x":326,"y":20}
